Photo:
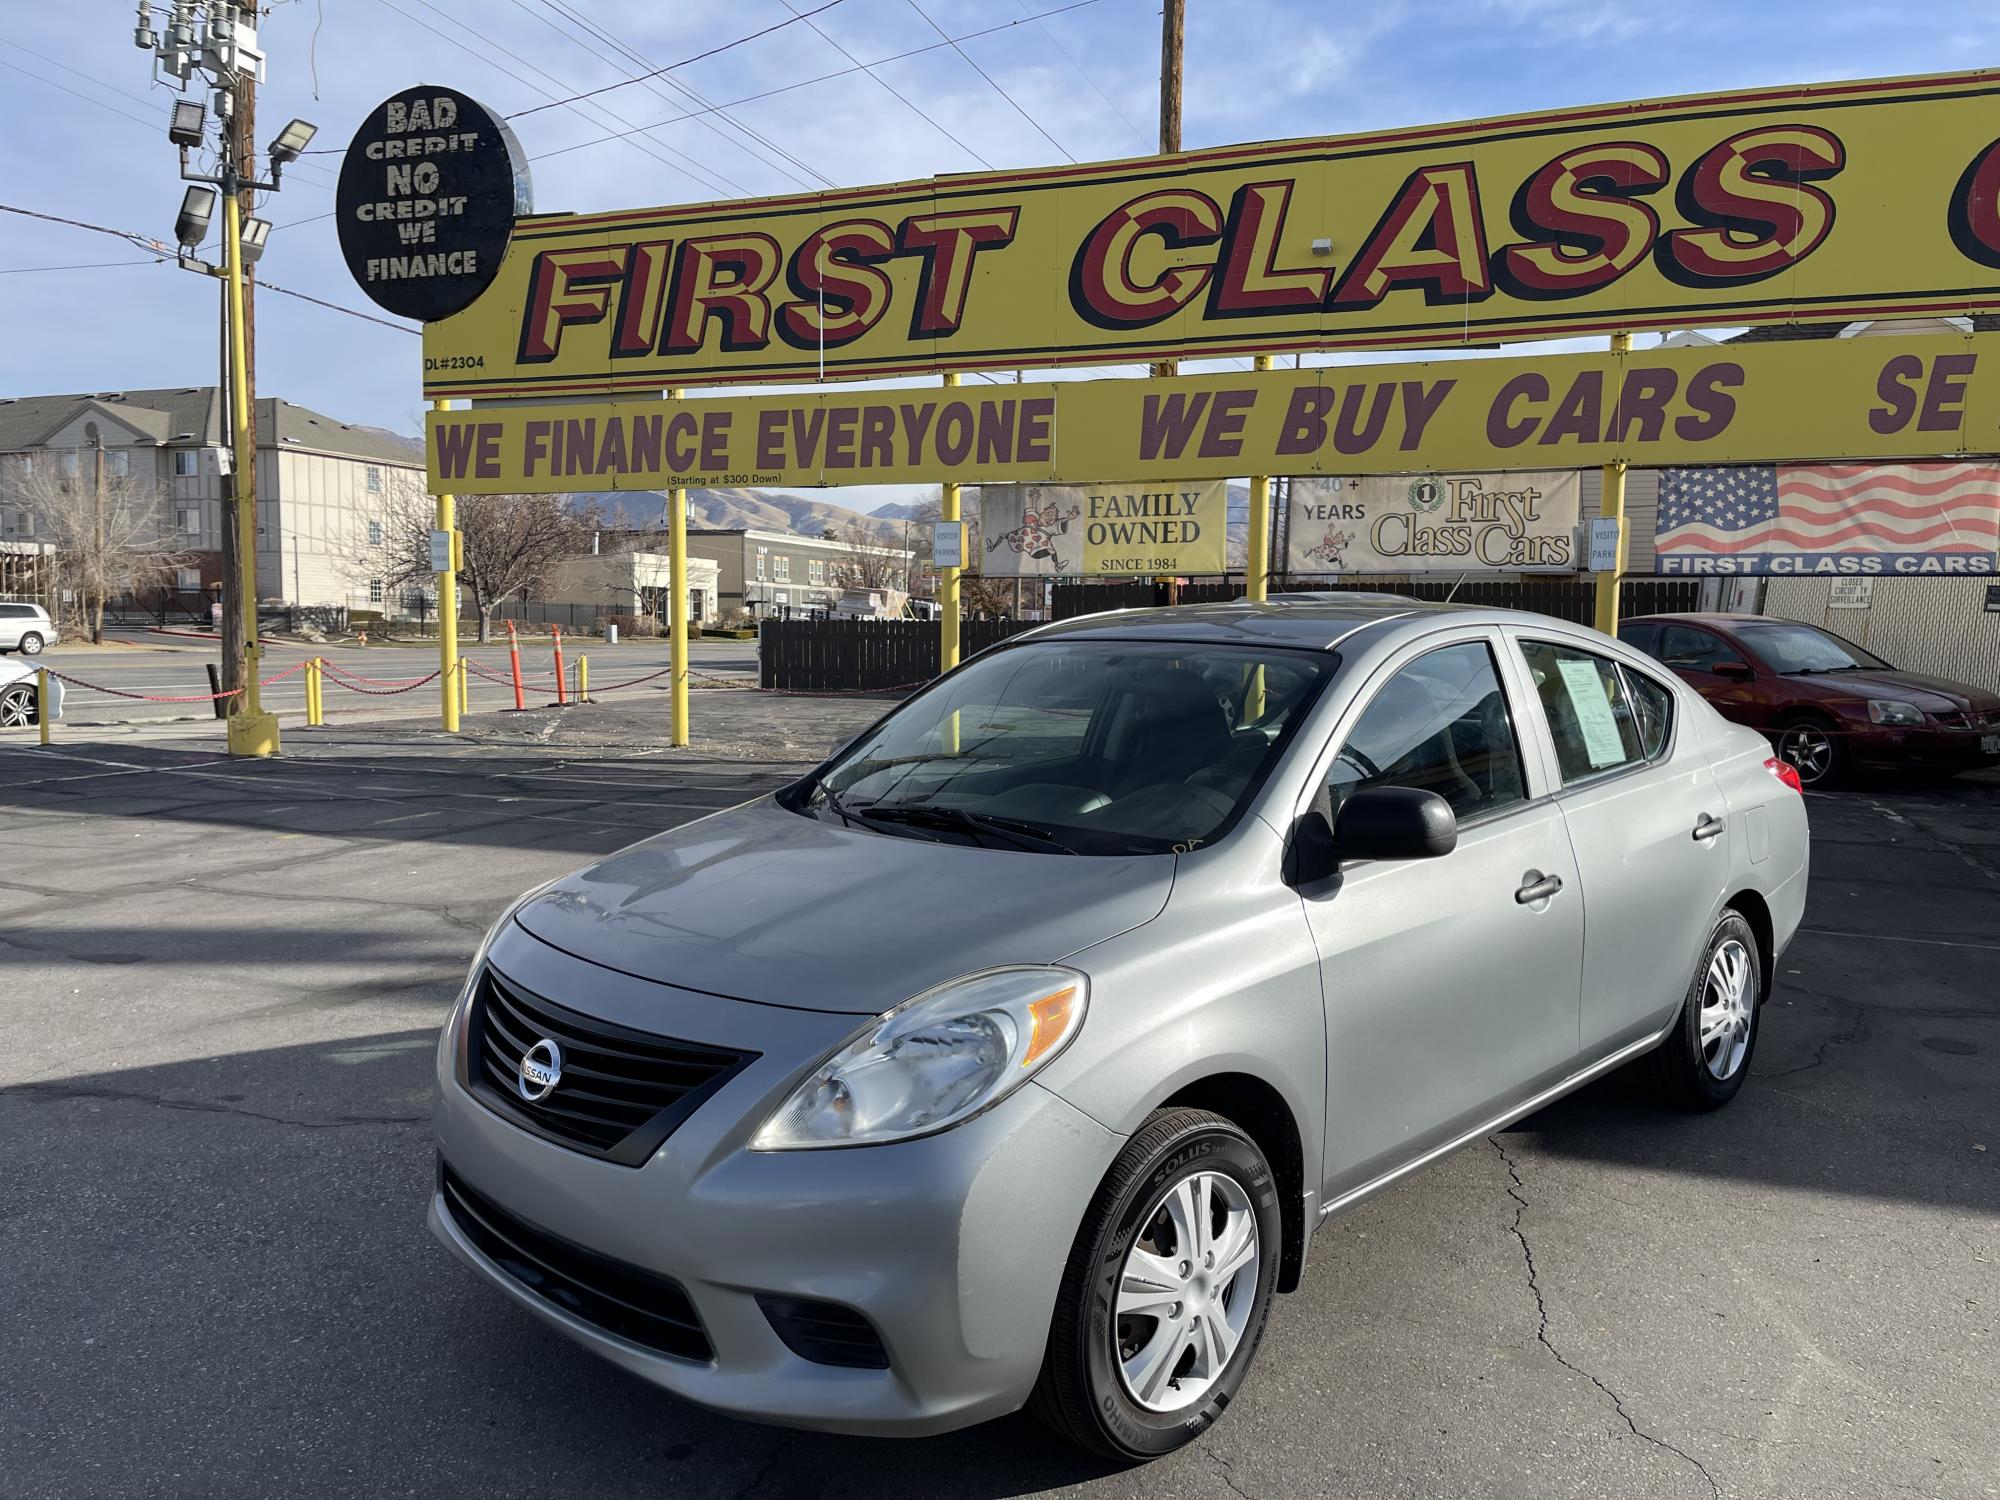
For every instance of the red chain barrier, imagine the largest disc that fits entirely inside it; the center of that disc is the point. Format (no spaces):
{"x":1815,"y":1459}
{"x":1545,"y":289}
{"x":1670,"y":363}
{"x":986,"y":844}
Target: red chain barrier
{"x":379,"y":689}
{"x":141,"y":697}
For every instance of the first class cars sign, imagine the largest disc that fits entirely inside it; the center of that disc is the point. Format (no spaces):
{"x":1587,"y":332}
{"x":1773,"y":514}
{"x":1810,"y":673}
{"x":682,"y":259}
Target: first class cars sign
{"x":428,"y":194}
{"x":1841,"y":200}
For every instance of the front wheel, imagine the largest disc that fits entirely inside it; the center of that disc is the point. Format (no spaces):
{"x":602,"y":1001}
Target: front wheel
{"x":31,"y":644}
{"x":1167,"y":1290}
{"x":17,"y":707}
{"x":1706,"y":1055}
{"x":1814,"y":750}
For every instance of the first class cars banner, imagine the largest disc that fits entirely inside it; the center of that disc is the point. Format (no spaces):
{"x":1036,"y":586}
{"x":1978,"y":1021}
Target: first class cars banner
{"x":1824,"y":399}
{"x":1846,"y":200}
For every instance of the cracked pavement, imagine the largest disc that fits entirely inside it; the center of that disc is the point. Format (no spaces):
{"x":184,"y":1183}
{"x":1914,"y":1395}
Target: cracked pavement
{"x":220,"y":985}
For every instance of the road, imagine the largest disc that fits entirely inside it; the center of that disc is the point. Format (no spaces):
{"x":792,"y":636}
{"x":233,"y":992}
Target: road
{"x":166,"y":667}
{"x":220,"y":985}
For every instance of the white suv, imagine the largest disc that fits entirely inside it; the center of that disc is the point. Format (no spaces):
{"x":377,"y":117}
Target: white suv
{"x":26,"y":628}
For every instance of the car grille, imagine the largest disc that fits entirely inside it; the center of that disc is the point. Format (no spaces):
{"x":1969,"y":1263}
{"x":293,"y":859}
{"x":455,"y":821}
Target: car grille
{"x":1970,"y":720}
{"x":621,"y":1092}
{"x":642,"y":1306}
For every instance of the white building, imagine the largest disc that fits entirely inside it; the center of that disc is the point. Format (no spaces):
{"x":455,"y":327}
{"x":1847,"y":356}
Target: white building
{"x":323,"y":486}
{"x":633,"y":583}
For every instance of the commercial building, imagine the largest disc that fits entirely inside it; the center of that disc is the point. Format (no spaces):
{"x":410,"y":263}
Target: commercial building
{"x":775,"y":574}
{"x":634,"y":583}
{"x":325,"y":488}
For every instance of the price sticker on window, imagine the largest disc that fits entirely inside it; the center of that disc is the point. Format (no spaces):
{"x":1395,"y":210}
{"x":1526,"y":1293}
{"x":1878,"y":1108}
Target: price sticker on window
{"x":1601,"y":740}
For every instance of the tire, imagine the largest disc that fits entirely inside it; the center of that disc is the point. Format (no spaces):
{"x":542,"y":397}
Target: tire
{"x":1085,"y":1391}
{"x":1694,"y":1075}
{"x":1814,"y":749}
{"x":17,"y":707}
{"x":31,"y":644}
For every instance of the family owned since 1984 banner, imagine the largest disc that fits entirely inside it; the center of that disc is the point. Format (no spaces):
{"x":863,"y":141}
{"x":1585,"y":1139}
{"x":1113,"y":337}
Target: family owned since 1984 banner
{"x":1077,"y":530}
{"x":1442,"y":523}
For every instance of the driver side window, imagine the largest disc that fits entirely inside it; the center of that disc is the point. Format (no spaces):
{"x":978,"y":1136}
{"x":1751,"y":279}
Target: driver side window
{"x":1441,"y":724}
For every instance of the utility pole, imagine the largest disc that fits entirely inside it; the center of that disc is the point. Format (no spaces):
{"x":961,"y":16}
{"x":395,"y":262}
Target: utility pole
{"x":216,"y":40}
{"x":97,"y":569}
{"x":1173,"y":36}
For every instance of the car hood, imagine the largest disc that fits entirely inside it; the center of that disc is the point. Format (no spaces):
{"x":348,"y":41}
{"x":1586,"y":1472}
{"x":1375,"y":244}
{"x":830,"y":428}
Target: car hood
{"x":759,"y":903}
{"x":1927,"y":692}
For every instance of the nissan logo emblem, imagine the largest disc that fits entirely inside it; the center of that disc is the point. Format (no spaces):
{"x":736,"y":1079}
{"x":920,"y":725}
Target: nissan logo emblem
{"x":541,"y":1070}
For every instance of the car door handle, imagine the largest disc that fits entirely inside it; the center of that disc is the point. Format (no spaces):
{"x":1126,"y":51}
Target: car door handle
{"x":1709,"y":828}
{"x":1539,"y":889}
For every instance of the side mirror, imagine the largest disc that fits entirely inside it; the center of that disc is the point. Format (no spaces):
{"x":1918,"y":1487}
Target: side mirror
{"x":1735,"y":671}
{"x":1377,"y":822}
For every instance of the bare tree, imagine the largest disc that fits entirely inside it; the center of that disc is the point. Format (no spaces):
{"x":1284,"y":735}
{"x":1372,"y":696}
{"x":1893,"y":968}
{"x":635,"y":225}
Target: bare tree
{"x":870,"y":562}
{"x":509,"y":544}
{"x":108,"y":539}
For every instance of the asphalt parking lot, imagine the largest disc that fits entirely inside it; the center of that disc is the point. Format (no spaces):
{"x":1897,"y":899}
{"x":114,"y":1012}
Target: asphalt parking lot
{"x":220,"y":983}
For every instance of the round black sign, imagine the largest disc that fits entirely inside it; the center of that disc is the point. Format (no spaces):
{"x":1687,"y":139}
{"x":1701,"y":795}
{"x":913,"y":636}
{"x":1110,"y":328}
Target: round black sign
{"x":429,"y":190}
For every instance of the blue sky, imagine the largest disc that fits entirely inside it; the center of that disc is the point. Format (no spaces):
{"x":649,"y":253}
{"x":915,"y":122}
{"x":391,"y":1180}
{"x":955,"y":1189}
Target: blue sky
{"x":85,"y":126}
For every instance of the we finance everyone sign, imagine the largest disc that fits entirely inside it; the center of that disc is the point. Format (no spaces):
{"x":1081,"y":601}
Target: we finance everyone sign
{"x":1830,"y":400}
{"x":1841,"y":200}
{"x":1429,"y":523}
{"x":1084,"y":530}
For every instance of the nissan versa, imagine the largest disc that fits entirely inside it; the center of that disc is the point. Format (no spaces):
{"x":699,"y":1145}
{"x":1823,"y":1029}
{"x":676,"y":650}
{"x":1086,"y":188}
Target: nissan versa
{"x":1013,"y":1055}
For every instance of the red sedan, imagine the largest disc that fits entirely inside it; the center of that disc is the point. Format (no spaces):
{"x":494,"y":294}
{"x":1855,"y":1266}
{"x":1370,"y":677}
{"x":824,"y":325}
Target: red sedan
{"x":1828,"y":705}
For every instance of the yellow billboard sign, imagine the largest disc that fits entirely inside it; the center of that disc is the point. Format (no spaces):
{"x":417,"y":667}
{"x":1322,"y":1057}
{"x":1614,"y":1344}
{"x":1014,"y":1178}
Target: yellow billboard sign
{"x":1838,"y":200}
{"x":1823,"y":399}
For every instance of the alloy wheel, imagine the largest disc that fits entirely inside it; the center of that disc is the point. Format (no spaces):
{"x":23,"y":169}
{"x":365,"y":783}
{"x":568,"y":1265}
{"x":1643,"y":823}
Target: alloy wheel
{"x":17,"y":708}
{"x":1728,"y":1009}
{"x":1810,"y":750}
{"x":1186,"y":1292}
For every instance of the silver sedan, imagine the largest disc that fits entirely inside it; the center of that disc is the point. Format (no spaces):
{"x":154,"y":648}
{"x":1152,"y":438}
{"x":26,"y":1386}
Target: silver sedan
{"x":1014,"y":1055}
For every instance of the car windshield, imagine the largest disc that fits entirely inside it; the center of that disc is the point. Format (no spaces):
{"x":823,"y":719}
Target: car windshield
{"x":1793,"y":648}
{"x":1099,"y":747}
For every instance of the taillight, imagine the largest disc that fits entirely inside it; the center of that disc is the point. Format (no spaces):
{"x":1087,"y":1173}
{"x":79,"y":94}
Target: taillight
{"x":1786,"y":772}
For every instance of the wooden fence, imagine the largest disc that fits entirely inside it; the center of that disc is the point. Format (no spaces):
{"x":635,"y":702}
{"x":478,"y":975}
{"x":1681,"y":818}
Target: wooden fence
{"x":862,"y":656}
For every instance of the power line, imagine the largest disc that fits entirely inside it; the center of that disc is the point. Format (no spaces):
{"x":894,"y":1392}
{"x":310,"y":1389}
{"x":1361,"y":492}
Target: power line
{"x":787,"y":88}
{"x":711,"y":52}
{"x":167,"y":254}
{"x":648,"y":147}
{"x":653,"y":82}
{"x":90,"y":265}
{"x":919,"y":113}
{"x":989,"y":78}
{"x":1081,"y":72}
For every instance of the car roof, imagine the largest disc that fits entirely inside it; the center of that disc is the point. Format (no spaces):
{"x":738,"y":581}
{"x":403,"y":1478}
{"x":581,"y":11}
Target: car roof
{"x":1307,"y":624}
{"x":1701,"y":617}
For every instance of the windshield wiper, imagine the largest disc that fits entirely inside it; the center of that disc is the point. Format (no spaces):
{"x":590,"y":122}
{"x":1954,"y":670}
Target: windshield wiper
{"x":933,"y":815}
{"x":853,"y":817}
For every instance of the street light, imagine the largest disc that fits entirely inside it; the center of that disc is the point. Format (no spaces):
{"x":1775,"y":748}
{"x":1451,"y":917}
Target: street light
{"x":255,"y":233}
{"x":191,"y":228}
{"x":187,"y":123}
{"x":291,"y":142}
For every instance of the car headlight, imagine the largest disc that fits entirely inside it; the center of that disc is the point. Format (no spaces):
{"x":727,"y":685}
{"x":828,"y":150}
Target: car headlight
{"x":1894,"y":711}
{"x":933,"y":1062}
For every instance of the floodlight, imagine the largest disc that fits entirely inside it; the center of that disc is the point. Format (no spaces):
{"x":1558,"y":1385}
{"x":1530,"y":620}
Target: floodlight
{"x":187,"y":123}
{"x":255,"y":233}
{"x":191,"y":228}
{"x":292,"y":141}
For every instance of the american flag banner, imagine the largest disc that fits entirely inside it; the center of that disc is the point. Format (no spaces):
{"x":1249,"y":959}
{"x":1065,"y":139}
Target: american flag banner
{"x":1936,"y":518}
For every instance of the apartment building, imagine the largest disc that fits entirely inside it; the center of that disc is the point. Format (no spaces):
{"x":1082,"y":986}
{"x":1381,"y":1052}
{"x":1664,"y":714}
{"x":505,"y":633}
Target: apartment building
{"x":325,"y":489}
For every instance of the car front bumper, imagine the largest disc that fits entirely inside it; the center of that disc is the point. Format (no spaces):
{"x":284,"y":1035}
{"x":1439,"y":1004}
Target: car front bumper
{"x":952,"y":1247}
{"x":1927,"y":748}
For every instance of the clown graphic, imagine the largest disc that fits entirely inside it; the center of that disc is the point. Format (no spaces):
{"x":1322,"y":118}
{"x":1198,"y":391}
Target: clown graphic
{"x":1042,"y":521}
{"x":1329,"y":548}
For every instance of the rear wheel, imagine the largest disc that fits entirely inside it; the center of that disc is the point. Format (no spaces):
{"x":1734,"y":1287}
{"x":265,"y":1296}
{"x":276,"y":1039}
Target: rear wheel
{"x":1706,"y":1056}
{"x":1813,"y":747}
{"x":1167,"y":1290}
{"x":17,"y":707}
{"x":31,"y":644}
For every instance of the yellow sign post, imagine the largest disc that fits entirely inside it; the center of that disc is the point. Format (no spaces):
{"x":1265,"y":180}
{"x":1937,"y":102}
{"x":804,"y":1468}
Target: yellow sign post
{"x":677,"y":607}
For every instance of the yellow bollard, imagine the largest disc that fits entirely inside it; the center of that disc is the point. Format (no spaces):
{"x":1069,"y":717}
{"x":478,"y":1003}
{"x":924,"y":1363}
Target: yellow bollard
{"x":42,"y":701}
{"x":583,"y":679}
{"x":464,"y":688}
{"x":312,"y":709}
